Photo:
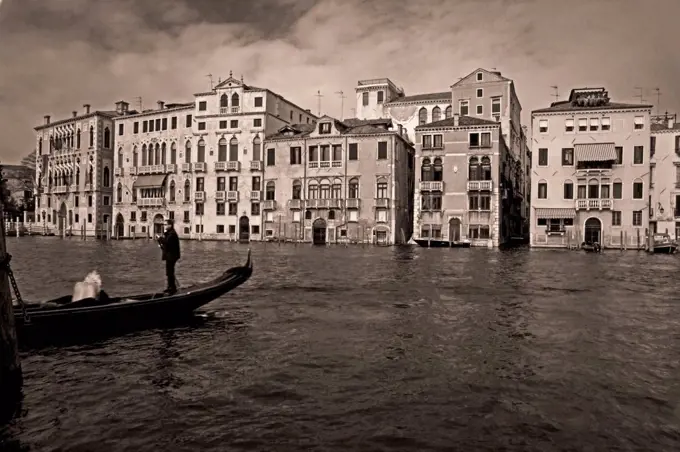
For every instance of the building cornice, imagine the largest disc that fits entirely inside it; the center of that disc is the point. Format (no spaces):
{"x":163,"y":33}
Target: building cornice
{"x":153,"y":112}
{"x":458,"y":128}
{"x":61,"y":122}
{"x":591,"y":112}
{"x":397,"y":103}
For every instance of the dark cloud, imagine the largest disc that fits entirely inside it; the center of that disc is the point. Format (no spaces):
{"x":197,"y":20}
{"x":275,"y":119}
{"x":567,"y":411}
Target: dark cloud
{"x":56,"y":55}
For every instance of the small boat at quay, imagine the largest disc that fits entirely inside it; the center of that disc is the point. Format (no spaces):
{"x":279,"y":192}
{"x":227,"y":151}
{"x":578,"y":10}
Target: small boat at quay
{"x":591,"y":247}
{"x":663,"y":244}
{"x":61,"y":316}
{"x":425,"y":243}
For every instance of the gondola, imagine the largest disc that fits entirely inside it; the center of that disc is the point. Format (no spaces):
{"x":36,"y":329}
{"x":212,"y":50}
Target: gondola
{"x":61,"y":316}
{"x":425,"y":243}
{"x":591,"y":247}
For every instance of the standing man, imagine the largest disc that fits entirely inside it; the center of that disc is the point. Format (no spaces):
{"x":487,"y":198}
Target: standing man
{"x":169,"y":243}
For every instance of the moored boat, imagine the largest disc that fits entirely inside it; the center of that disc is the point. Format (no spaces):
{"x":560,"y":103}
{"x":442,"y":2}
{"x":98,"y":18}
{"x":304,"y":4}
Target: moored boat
{"x":591,"y":247}
{"x":62,"y":316}
{"x":442,"y":243}
{"x":663,"y":244}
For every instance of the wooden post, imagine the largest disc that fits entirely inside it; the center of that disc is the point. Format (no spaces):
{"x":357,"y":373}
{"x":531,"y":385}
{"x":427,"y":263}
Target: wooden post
{"x":11,"y":379}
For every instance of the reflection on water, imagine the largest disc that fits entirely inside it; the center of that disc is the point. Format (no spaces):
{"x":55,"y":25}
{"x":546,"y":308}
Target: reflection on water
{"x":351,"y":348}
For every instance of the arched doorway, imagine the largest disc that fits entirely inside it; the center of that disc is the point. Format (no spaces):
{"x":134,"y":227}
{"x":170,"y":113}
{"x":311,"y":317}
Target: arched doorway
{"x":593,"y":231}
{"x":158,"y":224}
{"x":120,"y":226}
{"x":319,"y":232}
{"x":244,"y":229}
{"x":454,"y":230}
{"x":62,"y":218}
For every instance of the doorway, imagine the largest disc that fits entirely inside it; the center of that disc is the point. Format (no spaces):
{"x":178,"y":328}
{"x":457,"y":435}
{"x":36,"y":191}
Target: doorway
{"x":319,"y":232}
{"x":62,"y":218}
{"x":158,"y":224}
{"x":120,"y":226}
{"x":593,"y":231}
{"x":454,"y":230}
{"x":244,"y":229}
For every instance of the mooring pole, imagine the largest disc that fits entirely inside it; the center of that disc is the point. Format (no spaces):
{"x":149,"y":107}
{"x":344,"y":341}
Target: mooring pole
{"x":11,"y":379}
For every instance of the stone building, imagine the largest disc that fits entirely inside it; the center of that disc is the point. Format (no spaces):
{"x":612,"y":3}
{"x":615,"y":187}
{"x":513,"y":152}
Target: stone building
{"x":664,"y":175}
{"x":74,"y":172}
{"x":591,"y":164}
{"x":337,"y":181}
{"x":468,"y":183}
{"x":206,"y":169}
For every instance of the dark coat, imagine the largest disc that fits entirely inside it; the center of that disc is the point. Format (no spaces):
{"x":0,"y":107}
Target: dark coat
{"x":170,"y":245}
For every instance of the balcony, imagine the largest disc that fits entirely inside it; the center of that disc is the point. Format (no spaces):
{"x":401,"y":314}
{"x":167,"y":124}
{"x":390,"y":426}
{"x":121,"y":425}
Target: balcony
{"x":336,"y":164}
{"x":199,"y":196}
{"x":593,"y":204}
{"x":229,"y":110}
{"x":151,"y":202}
{"x":595,"y":172}
{"x":171,"y":168}
{"x":73,"y":188}
{"x":353,"y":203}
{"x":256,"y":165}
{"x":269,"y":204}
{"x":133,"y":171}
{"x":220,"y":195}
{"x":232,"y":196}
{"x":480,"y":185}
{"x":431,"y":186}
{"x":200,"y":167}
{"x":255,"y":195}
{"x":335,"y":203}
{"x":151,"y":169}
{"x":382,"y":203}
{"x":295,"y":204}
{"x":88,"y":187}
{"x":60,"y":189}
{"x":186,"y":167}
{"x":118,"y":172}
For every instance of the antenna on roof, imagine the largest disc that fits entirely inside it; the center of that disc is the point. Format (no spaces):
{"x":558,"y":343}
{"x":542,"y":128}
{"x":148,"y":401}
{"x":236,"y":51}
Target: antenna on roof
{"x":641,"y":94}
{"x":658,"y":100}
{"x":342,"y":104}
{"x":318,"y":101}
{"x":139,"y":102}
{"x":211,"y":81}
{"x":557,"y":92}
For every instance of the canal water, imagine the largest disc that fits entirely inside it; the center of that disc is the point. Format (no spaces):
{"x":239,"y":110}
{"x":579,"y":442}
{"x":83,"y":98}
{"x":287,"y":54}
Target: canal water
{"x":364,"y":349}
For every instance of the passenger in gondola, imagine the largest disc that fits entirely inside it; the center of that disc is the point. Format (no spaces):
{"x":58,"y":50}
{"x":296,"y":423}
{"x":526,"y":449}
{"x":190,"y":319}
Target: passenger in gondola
{"x":169,"y":243}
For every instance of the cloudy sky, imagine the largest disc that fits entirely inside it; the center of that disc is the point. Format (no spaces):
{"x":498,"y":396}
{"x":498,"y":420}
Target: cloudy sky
{"x":56,"y":55}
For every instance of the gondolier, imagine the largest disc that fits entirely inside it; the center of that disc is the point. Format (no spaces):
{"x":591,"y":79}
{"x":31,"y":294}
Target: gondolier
{"x":169,"y":243}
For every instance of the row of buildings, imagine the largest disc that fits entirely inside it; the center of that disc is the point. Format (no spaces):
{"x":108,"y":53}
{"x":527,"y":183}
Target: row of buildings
{"x":244,"y":163}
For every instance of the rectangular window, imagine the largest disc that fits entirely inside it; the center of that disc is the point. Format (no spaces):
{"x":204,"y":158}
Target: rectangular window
{"x":617,"y":189}
{"x":233,"y":208}
{"x":637,"y":218}
{"x":223,"y":124}
{"x":567,"y":157}
{"x":364,"y":99}
{"x":437,"y":141}
{"x":121,"y":128}
{"x":480,"y":109}
{"x":173,"y":122}
{"x":543,"y":126}
{"x":479,"y":139}
{"x":652,"y":146}
{"x":637,"y":190}
{"x":464,"y":107}
{"x":201,"y":125}
{"x":295,"y":155}
{"x":382,"y":150}
{"x":164,"y":124}
{"x":569,"y":125}
{"x":145,"y":126}
{"x":220,"y":209}
{"x":619,"y":155}
{"x":202,"y":105}
{"x":258,"y":101}
{"x":325,"y":128}
{"x":188,"y":121}
{"x":381,"y":96}
{"x":151,"y":128}
{"x":639,"y":122}
{"x":427,"y":141}
{"x":135,"y":127}
{"x":496,"y":106}
{"x":594,"y":124}
{"x":606,"y":124}
{"x":158,"y":124}
{"x":543,"y":157}
{"x":616,"y":218}
{"x":638,"y":155}
{"x":353,"y":151}
{"x":568,"y":190}
{"x":583,"y":125}
{"x":233,"y":124}
{"x":480,"y":93}
{"x":257,"y":122}
{"x":271,"y":157}
{"x":542,"y":190}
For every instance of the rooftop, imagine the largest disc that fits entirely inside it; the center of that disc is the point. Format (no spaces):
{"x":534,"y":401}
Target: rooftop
{"x":463,"y":121}
{"x":351,"y":126}
{"x":588,"y":99}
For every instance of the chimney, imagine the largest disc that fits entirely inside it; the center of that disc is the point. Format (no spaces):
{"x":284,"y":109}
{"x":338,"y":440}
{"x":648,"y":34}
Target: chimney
{"x":161,"y":104}
{"x":47,"y":119}
{"x":87,"y":108}
{"x":122,"y":107}
{"x":401,"y":130}
{"x":75,"y":113}
{"x":456,"y":119}
{"x":671,"y":121}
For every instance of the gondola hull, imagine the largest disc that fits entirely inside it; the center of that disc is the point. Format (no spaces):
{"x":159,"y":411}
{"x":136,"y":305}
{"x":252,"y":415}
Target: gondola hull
{"x":61,"y":316}
{"x":441,"y":244}
{"x":664,"y":249}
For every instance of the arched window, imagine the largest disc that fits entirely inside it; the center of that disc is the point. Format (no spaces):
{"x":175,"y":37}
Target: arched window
{"x":187,"y":152}
{"x":201,"y":151}
{"x":77,"y":173}
{"x":157,"y":155}
{"x":224,"y":101}
{"x":486,"y":168}
{"x":270,"y":189}
{"x":257,"y":149}
{"x":40,"y":146}
{"x":119,"y":192}
{"x":91,"y":136}
{"x":353,"y":187}
{"x":120,"y":157}
{"x":422,"y":116}
{"x":107,"y":138}
{"x":163,"y":154}
{"x":144,"y":156}
{"x":308,"y":214}
{"x":297,"y":189}
{"x":78,"y":135}
{"x":106,"y":177}
{"x":448,"y":112}
{"x":426,"y":170}
{"x":381,"y":188}
{"x":438,"y":170}
{"x":436,"y":114}
{"x":325,"y":189}
{"x":172,"y":191}
{"x":90,"y":175}
{"x":336,"y":189}
{"x":173,"y":153}
{"x":135,"y":157}
{"x":233,"y":150}
{"x":234,"y":100}
{"x":187,"y":190}
{"x":222,"y":150}
{"x":474,"y":170}
{"x":568,"y":189}
{"x":312,"y":190}
{"x":150,"y":159}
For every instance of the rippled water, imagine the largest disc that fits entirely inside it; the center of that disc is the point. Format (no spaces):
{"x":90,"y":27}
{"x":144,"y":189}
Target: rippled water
{"x":375,"y":349}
